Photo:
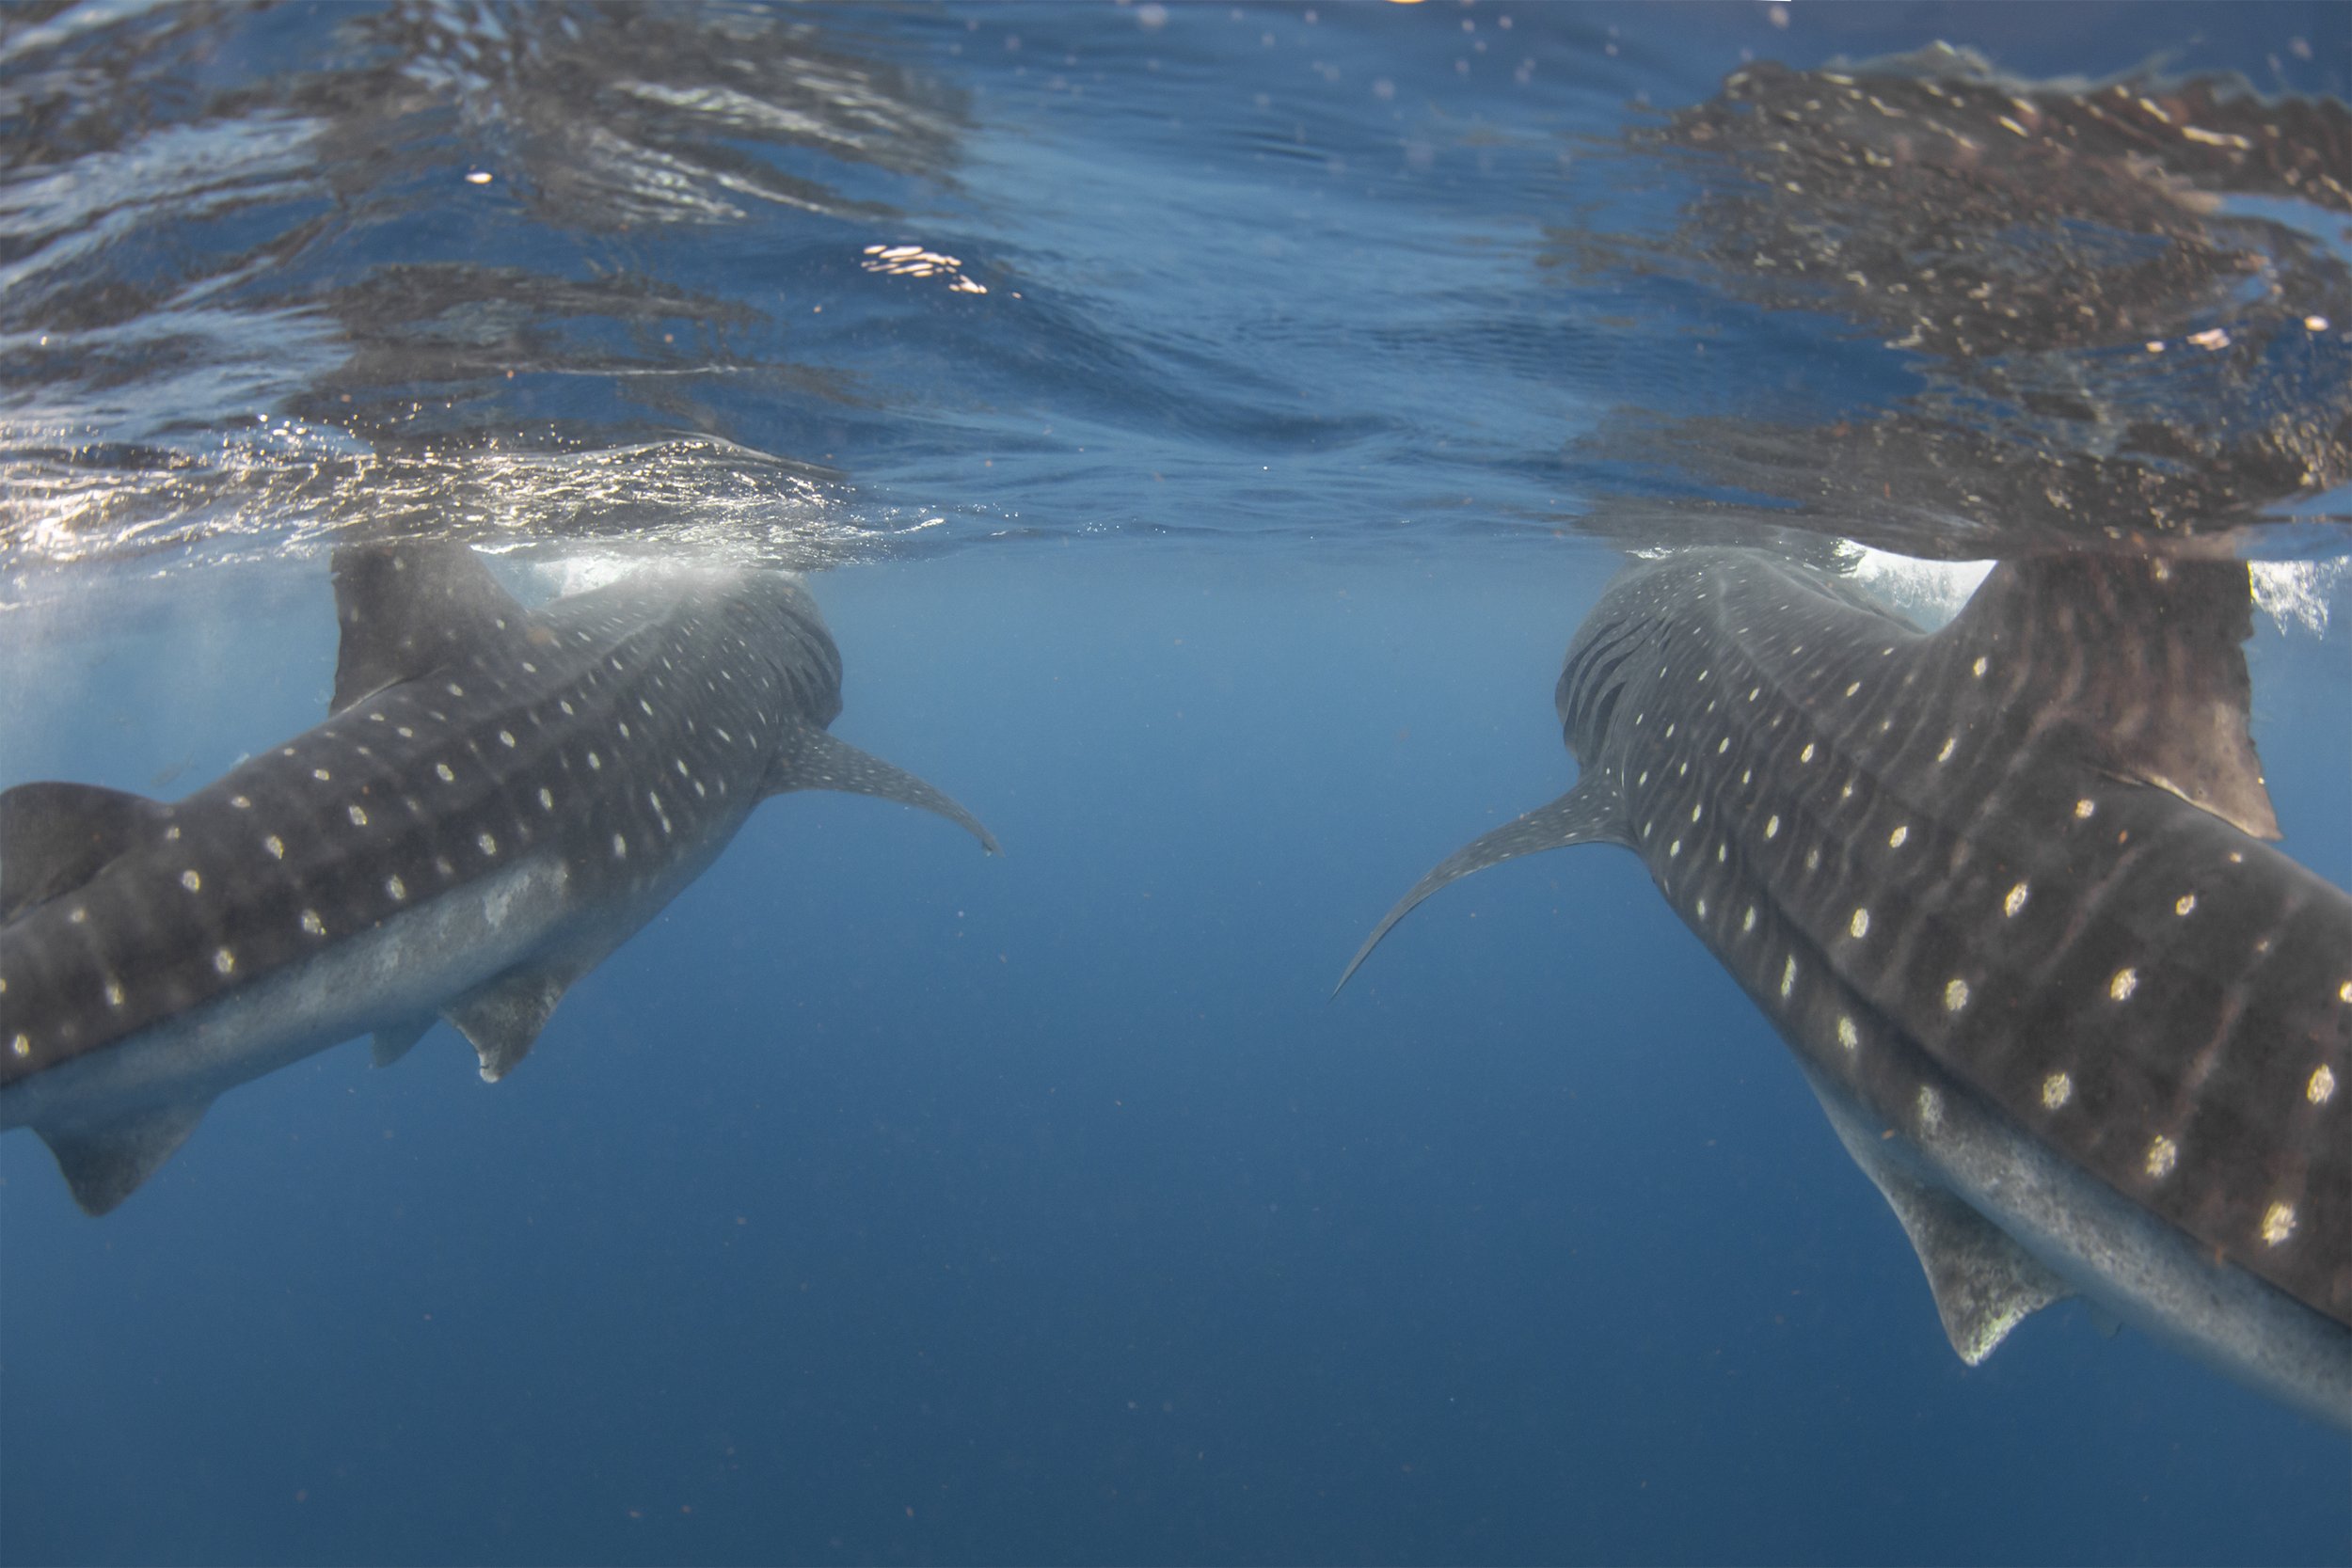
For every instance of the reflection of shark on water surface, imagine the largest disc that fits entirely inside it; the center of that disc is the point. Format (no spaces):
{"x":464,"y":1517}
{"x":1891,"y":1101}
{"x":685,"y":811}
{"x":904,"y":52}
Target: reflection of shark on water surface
{"x":1999,"y":889}
{"x":501,"y":797}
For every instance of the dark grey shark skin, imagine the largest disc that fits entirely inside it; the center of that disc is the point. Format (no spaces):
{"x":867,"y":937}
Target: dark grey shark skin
{"x":1999,"y":889}
{"x":501,"y":798}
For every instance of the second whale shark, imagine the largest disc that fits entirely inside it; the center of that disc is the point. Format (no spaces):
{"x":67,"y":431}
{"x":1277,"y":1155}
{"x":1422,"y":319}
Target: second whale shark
{"x":2002,"y":890}
{"x":501,"y":798}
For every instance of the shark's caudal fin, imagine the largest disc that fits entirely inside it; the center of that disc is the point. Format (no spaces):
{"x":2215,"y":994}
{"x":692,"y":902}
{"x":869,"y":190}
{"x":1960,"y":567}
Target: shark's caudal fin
{"x":406,"y":608}
{"x":1592,"y":813}
{"x":54,"y":837}
{"x":105,"y":1164}
{"x":816,"y":760}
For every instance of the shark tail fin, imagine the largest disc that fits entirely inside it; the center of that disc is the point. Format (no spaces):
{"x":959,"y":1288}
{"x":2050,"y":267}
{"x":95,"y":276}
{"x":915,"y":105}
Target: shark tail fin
{"x":105,"y":1164}
{"x":819,"y":761}
{"x":1592,"y":813}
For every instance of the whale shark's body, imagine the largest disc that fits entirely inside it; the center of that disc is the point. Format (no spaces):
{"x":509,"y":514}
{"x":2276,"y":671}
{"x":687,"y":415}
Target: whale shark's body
{"x":2001,"y":889}
{"x":501,"y":798}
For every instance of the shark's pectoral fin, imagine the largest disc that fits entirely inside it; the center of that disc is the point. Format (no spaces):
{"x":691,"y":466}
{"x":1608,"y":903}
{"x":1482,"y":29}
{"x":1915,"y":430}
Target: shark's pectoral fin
{"x":393,"y":1041}
{"x":501,"y":1019}
{"x":55,"y":837}
{"x":816,"y":760}
{"x":1592,"y":813}
{"x":407,"y":609}
{"x":1984,"y":1283}
{"x":105,"y":1164}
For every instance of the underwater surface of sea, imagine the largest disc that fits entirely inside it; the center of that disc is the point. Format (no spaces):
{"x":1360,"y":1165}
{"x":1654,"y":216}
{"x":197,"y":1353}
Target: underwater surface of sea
{"x":1203,"y":427}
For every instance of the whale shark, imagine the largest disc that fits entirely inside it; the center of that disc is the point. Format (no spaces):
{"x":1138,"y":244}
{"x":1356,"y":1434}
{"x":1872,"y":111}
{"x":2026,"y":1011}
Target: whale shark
{"x":2004,"y":888}
{"x":499,"y":798}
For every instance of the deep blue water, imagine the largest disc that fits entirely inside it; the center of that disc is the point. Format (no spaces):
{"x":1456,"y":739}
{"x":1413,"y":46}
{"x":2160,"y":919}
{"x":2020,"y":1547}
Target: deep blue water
{"x":882,"y":1201}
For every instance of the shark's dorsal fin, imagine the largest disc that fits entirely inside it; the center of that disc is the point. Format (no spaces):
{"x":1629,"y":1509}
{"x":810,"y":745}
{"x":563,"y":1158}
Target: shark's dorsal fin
{"x":105,"y":1164}
{"x":406,"y":608}
{"x":54,"y":837}
{"x":812,"y":759}
{"x":394,"y":1040}
{"x":502,"y":1020}
{"x":1592,"y":813}
{"x":2150,"y":654}
{"x":1984,"y":1283}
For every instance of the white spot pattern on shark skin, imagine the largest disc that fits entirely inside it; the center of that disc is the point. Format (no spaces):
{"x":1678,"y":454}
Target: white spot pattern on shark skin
{"x":2126,"y":982}
{"x":275,"y":845}
{"x":547,"y":799}
{"x":454,"y":690}
{"x":241,"y":802}
{"x":224,"y":960}
{"x":446,"y":774}
{"x":2084,"y":807}
{"x":359,"y":817}
{"x":2057,"y":1090}
{"x":114,"y":993}
{"x":1860,"y":923}
{"x":1978,"y":668}
{"x":488,"y":845}
{"x":322,"y":775}
{"x":620,"y":847}
{"x":1900,"y":836}
{"x":2322,"y":1087}
{"x":2278,"y":1223}
{"x":312,"y":924}
{"x":1955,"y":994}
{"x":1849,"y":1037}
{"x":190,"y":881}
{"x":1674,"y":849}
{"x":1805,"y":755}
{"x":596,"y":763}
{"x":2344,"y":991}
{"x":21,"y":1045}
{"x":1702,"y":906}
{"x":506,"y":739}
{"x":395,"y":889}
{"x":1946,"y":754}
{"x":1747,"y":920}
{"x":2184,"y":903}
{"x":2015,"y":902}
{"x":1855,"y":687}
{"x":1930,"y":1110}
{"x":1788,"y":977}
{"x":1772,"y":826}
{"x":2163,"y":1154}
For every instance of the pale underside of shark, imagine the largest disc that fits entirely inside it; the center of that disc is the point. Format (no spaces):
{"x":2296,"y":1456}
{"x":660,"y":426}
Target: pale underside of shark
{"x":2002,"y":891}
{"x":500,"y":798}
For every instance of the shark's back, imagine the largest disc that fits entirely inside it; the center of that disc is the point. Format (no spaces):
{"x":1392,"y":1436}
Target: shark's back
{"x":2024,"y":843}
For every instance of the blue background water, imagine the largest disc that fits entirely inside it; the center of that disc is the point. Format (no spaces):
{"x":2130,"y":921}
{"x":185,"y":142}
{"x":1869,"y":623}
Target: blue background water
{"x":883,"y":1202}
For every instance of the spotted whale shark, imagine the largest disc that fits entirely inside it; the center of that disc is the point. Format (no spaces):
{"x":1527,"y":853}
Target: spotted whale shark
{"x":2004,"y":891}
{"x":499,"y":798}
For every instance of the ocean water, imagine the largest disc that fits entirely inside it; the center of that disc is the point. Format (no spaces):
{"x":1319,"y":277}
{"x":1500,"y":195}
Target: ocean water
{"x":1204,"y":428}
